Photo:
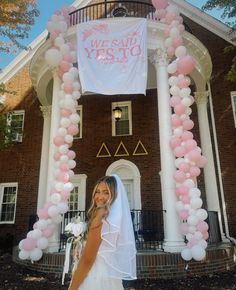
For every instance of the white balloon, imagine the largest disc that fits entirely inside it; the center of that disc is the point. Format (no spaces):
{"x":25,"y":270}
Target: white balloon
{"x":189,"y":237}
{"x":51,"y":26}
{"x":168,"y":42}
{"x":194,"y":192}
{"x":36,"y":254}
{"x":62,"y":26}
{"x":71,"y":173}
{"x":198,"y":253}
{"x":68,"y":186}
{"x":24,"y":255}
{"x":69,"y":103}
{"x":198,"y":235}
{"x":75,"y":118}
{"x":63,"y":149}
{"x":55,"y":198}
{"x":63,"y":207}
{"x":53,"y":211}
{"x":74,"y":71}
{"x":189,"y":183}
{"x":178,"y":131}
{"x":62,"y":131}
{"x":192,"y":229}
{"x":188,"y":111}
{"x":174,"y":90}
{"x":72,"y":164}
{"x":174,"y":32}
{"x":196,"y":202}
{"x":68,"y":78}
{"x":62,"y":104}
{"x":65,"y":49}
{"x":73,"y":56}
{"x":192,"y":220}
{"x":30,"y":234}
{"x":36,"y":234}
{"x":57,"y":219}
{"x":202,"y":214}
{"x":203,"y":244}
{"x":173,"y":8}
{"x":20,"y":245}
{"x":59,"y":41}
{"x":186,"y":101}
{"x":61,"y":93}
{"x":180,"y":51}
{"x":178,"y":161}
{"x":53,"y":57}
{"x":65,"y":122}
{"x":76,"y":95}
{"x":42,"y":224}
{"x":179,"y":205}
{"x":185,"y":92}
{"x":59,"y":186}
{"x":186,"y":254}
{"x":64,"y":158}
{"x":69,"y":139}
{"x":42,"y":243}
{"x":76,"y":86}
{"x":172,"y":67}
{"x":173,"y":80}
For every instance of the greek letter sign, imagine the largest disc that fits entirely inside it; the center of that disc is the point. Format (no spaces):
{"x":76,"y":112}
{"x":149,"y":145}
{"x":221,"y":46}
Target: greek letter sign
{"x":112,"y":56}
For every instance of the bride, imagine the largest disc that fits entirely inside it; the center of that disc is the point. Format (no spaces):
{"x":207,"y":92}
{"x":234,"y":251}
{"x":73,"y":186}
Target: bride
{"x":109,"y":254}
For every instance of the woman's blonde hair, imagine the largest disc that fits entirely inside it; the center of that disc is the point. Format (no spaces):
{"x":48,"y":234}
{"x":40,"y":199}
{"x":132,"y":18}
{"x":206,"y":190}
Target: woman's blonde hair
{"x":110,"y":181}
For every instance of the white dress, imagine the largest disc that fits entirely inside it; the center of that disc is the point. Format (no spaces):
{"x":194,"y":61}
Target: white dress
{"x":98,"y":279}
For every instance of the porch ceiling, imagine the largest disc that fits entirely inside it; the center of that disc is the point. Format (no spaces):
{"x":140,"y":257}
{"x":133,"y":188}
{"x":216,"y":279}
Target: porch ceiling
{"x":41,"y":73}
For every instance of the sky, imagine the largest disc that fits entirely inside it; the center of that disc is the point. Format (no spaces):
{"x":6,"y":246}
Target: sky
{"x":47,"y":8}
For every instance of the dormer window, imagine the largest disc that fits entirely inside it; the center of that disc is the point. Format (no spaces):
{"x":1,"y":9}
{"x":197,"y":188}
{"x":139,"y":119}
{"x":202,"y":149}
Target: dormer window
{"x":120,"y":12}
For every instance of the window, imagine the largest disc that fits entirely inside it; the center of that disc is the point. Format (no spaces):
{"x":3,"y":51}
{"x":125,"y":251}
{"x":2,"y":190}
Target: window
{"x":77,"y":195}
{"x":8,"y":195}
{"x":15,"y":122}
{"x":80,"y":113}
{"x":124,"y":125}
{"x":233,"y":100}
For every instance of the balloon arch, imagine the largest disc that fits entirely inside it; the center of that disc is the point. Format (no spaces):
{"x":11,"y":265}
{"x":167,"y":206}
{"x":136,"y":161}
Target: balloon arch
{"x":188,"y":162}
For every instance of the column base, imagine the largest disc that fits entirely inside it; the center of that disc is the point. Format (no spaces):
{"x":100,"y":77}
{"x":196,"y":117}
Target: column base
{"x":173,"y":246}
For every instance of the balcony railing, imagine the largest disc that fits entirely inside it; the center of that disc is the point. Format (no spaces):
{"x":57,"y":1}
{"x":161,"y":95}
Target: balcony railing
{"x":110,"y":9}
{"x":148,"y":228}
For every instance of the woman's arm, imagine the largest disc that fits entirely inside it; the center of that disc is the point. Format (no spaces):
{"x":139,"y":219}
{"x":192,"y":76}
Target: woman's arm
{"x":90,"y":251}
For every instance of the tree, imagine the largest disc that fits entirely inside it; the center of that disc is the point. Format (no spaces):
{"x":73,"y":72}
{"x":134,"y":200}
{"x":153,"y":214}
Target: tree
{"x":16,"y":18}
{"x":229,"y":13}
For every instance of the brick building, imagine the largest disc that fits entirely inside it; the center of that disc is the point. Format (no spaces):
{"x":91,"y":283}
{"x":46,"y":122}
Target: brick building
{"x":129,"y":147}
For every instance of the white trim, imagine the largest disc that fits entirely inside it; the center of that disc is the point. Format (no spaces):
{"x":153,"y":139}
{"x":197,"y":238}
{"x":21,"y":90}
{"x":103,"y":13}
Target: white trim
{"x":122,"y":104}
{"x":233,"y":96}
{"x":2,"y":186}
{"x":80,"y":135}
{"x":80,"y":181}
{"x":19,"y":135}
{"x":118,"y":165}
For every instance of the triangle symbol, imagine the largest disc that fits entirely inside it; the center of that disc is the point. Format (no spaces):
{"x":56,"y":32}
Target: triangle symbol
{"x":103,"y":151}
{"x":121,"y":150}
{"x":140,"y":149}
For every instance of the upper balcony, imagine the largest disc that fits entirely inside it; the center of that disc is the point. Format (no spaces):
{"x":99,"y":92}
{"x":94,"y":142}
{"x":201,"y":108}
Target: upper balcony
{"x":111,"y":9}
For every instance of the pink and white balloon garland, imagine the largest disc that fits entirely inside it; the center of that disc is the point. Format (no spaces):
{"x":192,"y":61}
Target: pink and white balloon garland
{"x":188,"y":155}
{"x":60,"y":56}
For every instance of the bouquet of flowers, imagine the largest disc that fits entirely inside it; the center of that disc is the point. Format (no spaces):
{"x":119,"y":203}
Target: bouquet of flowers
{"x":75,"y":232}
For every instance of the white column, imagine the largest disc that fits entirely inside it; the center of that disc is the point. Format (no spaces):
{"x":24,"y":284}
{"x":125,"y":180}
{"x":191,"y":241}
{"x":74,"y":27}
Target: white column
{"x":212,"y":194}
{"x":55,"y":118}
{"x":173,"y":241}
{"x":42,"y":191}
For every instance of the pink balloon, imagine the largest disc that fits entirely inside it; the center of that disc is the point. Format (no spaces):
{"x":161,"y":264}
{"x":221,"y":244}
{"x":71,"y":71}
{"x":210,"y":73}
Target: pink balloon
{"x":170,"y":16}
{"x":185,"y":64}
{"x":63,"y":177}
{"x":192,"y":243}
{"x":194,"y":155}
{"x":47,"y":233}
{"x":188,"y":124}
{"x":170,"y":51}
{"x":183,"y":83}
{"x":179,"y":176}
{"x":56,"y":156}
{"x":177,"y":41}
{"x":42,"y":213}
{"x":160,"y":13}
{"x":64,"y":167}
{"x":71,"y":154}
{"x":205,"y":236}
{"x":185,"y":199}
{"x":181,"y":28}
{"x":167,"y":31}
{"x":73,"y":130}
{"x":194,"y":171}
{"x":68,"y":88}
{"x":180,"y":19}
{"x":184,"y":228}
{"x":176,"y":121}
{"x":190,"y":145}
{"x":186,"y":135}
{"x":64,"y":66}
{"x":47,"y":205}
{"x":179,"y":151}
{"x":65,"y":194}
{"x":183,"y":214}
{"x":175,"y":100}
{"x":182,"y":190}
{"x":65,"y":113}
{"x":179,"y":109}
{"x":202,"y":161}
{"x":28,"y":244}
{"x":184,"y":167}
{"x":58,"y":140}
{"x":160,"y":4}
{"x":67,"y":58}
{"x":202,"y":226}
{"x":174,"y":142}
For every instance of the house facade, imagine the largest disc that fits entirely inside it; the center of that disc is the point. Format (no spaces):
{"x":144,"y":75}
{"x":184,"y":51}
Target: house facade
{"x":131,"y":147}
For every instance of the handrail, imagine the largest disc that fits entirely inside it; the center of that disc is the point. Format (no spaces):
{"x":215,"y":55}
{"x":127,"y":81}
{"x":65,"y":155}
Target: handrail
{"x":106,"y":9}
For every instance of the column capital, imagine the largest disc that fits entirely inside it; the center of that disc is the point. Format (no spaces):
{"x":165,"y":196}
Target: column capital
{"x":201,"y":98}
{"x":46,"y":111}
{"x":159,"y":57}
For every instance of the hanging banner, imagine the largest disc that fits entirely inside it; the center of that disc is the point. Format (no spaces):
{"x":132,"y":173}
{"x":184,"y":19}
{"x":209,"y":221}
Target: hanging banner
{"x":112,"y":56}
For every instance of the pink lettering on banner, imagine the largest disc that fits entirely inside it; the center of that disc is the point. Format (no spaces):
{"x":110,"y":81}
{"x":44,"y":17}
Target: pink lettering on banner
{"x":109,"y":51}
